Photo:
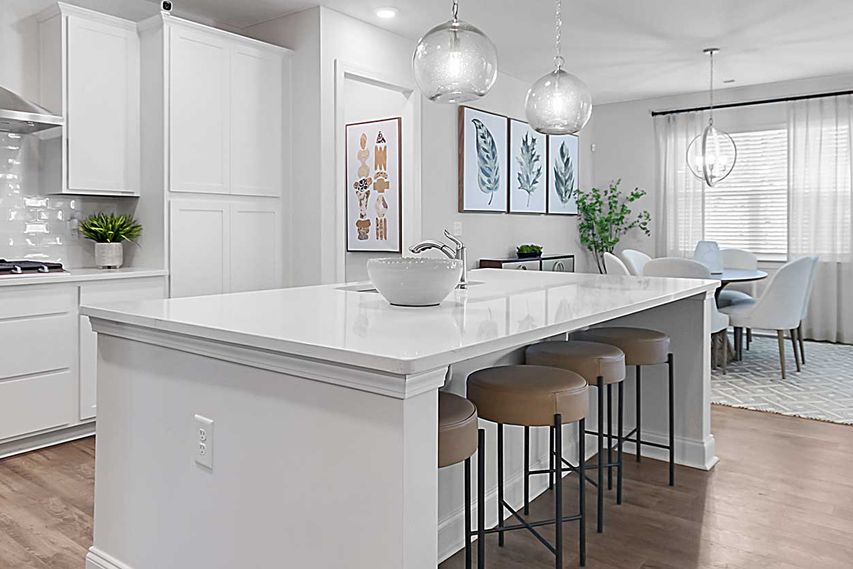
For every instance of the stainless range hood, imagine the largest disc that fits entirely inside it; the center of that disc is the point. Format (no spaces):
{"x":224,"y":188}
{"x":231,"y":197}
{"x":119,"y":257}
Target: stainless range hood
{"x":20,"y":116}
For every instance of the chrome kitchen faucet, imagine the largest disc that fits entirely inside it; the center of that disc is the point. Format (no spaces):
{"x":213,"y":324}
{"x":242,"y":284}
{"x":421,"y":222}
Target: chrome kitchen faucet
{"x":461,"y":253}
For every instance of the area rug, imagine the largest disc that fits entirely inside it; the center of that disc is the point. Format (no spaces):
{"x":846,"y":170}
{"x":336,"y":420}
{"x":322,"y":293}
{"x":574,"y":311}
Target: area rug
{"x":823,"y":390}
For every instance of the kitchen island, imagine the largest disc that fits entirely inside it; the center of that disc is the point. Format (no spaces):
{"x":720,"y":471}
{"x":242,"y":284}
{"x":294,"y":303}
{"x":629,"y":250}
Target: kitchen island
{"x":323,"y":447}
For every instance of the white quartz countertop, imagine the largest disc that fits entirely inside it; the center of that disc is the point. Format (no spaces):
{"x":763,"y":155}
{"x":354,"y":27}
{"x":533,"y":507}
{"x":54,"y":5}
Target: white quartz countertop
{"x":81,"y":275}
{"x":340,"y":324}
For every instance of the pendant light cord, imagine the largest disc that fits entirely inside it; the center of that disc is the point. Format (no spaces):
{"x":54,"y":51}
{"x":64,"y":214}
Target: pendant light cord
{"x":558,"y":35}
{"x":711,"y":106}
{"x":455,"y":10}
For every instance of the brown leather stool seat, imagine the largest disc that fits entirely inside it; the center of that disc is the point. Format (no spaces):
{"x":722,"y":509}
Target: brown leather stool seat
{"x":528,"y":395}
{"x":640,"y":345}
{"x":457,"y":429}
{"x":589,"y":359}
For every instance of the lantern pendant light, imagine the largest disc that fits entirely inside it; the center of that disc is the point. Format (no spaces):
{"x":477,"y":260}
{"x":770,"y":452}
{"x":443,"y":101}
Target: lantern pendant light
{"x":711,"y":156}
{"x":559,"y":102}
{"x":455,"y":62}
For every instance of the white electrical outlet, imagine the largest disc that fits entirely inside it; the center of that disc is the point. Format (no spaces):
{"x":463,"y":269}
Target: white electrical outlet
{"x":457,"y":229}
{"x":204,"y":441}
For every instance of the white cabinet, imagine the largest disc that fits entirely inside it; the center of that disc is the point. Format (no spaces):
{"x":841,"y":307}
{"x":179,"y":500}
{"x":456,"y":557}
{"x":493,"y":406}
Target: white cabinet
{"x":218,"y":247}
{"x":105,"y":292}
{"x":224,"y":110}
{"x":90,"y":75}
{"x":38,"y":374}
{"x":256,"y":119}
{"x":198,"y":247}
{"x":198,"y":111}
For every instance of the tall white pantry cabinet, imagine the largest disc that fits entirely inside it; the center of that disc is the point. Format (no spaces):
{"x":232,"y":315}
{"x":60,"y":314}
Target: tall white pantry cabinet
{"x":215,"y":140}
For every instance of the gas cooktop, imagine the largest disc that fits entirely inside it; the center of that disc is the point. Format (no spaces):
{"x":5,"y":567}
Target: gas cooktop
{"x":8,"y":268}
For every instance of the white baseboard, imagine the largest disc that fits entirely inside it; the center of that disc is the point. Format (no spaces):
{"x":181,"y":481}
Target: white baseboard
{"x":97,"y":559}
{"x":46,"y":439}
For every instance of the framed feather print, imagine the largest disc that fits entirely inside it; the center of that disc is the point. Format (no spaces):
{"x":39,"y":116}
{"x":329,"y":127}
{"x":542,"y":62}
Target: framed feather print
{"x":527,"y":164}
{"x":563,"y":180}
{"x":483,"y":160}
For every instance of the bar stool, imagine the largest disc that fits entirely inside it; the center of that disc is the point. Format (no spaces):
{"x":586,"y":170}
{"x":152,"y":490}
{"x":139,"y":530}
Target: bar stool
{"x":642,"y":347}
{"x":534,"y":396}
{"x":600,"y":365}
{"x":458,"y":440}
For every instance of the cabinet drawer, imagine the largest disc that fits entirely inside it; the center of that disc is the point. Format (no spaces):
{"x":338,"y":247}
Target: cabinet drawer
{"x":148,"y":288}
{"x":38,"y":344}
{"x":36,"y":300}
{"x":36,"y":403}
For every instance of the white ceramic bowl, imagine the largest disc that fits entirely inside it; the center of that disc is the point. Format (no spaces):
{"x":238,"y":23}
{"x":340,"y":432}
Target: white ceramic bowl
{"x":414,"y":281}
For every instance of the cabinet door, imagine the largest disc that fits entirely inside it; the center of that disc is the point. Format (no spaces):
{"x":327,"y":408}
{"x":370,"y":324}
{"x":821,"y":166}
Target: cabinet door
{"x":102,"y":108}
{"x":198,"y":247}
{"x":198,"y":112}
{"x":255,"y":246}
{"x":256,"y":127}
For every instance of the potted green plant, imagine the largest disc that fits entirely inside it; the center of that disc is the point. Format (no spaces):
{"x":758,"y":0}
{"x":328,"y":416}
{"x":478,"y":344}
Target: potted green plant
{"x":528,"y":251}
{"x":109,"y":231}
{"x":604,"y":217}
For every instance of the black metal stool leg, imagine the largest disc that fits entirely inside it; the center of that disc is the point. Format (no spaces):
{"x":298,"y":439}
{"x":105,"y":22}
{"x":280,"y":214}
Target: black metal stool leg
{"x":582,"y":490}
{"x":558,"y":494}
{"x":468,"y":513}
{"x":639,"y":412}
{"x":500,"y":483}
{"x":609,"y":437}
{"x":600,"y":458}
{"x":481,"y":499}
{"x":550,"y":458}
{"x":669,"y":361}
{"x":619,"y":429}
{"x":526,"y":470}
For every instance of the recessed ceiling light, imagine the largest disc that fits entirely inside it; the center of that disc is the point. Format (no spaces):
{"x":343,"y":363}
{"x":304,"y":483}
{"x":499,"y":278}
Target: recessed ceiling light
{"x":386,"y":13}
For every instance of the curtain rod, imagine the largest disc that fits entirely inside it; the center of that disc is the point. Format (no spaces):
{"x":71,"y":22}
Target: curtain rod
{"x":751,"y":103}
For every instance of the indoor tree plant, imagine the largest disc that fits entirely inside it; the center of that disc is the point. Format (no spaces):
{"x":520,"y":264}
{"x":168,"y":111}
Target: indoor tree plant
{"x":109,"y":231}
{"x":605,"y":216}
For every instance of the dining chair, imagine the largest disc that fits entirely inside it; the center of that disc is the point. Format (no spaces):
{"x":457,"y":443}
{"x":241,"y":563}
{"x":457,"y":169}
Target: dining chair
{"x":690,"y":269}
{"x":809,"y":289}
{"x":780,"y":308}
{"x":613,"y":265}
{"x":635,"y":261}
{"x":744,"y":260}
{"x":708,"y":253}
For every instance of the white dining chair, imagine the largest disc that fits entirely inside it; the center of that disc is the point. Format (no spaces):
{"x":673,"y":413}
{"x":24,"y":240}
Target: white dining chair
{"x":708,"y":253}
{"x":613,"y":265}
{"x":635,"y":261}
{"x":736,"y":259}
{"x":809,"y":289}
{"x":690,"y":269}
{"x":780,"y":308}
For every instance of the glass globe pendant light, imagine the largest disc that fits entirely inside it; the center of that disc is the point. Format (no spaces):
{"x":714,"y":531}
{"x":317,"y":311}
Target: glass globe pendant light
{"x":559,"y":102}
{"x":455,"y":62}
{"x":711,"y":156}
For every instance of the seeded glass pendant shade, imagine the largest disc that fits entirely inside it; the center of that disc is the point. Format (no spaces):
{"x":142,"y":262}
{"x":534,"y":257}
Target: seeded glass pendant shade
{"x":711,"y":156}
{"x":455,"y":62}
{"x":559,"y":102}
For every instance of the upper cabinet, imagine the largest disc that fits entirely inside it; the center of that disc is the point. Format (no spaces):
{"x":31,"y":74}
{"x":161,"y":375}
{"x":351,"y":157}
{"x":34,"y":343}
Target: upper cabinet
{"x":90,"y":75}
{"x":223,"y":107}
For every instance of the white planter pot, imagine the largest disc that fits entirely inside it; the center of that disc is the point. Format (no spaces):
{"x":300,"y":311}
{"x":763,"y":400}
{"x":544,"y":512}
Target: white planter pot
{"x":109,"y":255}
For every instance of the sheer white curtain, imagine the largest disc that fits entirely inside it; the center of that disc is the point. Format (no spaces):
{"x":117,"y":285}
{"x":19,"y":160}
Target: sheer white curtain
{"x":680,"y":199}
{"x":820,"y":201}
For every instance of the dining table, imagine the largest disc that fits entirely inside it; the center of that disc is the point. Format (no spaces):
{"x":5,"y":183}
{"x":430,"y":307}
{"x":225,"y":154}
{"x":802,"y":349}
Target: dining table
{"x":728,"y":276}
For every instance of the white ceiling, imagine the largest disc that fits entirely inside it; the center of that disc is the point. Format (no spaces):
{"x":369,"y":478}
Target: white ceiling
{"x":624,"y":49}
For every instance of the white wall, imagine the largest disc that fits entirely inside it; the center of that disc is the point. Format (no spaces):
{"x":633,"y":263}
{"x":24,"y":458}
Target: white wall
{"x":321,"y":37}
{"x":625,"y":140}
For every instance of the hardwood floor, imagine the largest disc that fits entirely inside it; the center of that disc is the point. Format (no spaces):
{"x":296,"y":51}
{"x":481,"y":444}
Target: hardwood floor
{"x":781,"y":498}
{"x":46,"y":507}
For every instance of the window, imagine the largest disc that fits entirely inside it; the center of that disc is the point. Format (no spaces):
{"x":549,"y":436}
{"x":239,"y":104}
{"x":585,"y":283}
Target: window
{"x":749,"y":209}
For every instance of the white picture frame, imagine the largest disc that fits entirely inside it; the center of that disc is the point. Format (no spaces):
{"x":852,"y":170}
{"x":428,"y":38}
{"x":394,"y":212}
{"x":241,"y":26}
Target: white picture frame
{"x":528,"y":162}
{"x":483,"y":160}
{"x":563,"y":174}
{"x":374,"y":186}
